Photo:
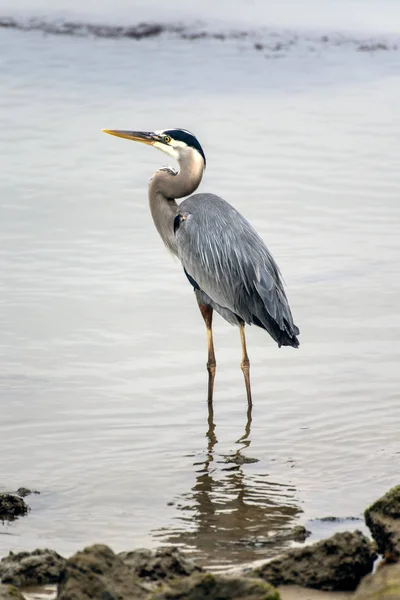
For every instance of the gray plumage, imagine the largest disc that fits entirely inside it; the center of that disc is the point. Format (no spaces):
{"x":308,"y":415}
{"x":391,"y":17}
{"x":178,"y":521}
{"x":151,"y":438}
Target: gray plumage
{"x":226,"y":261}
{"x":231,"y":264}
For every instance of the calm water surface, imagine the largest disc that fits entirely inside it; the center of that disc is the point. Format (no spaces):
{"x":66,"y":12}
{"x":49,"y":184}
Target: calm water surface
{"x":102,"y":348}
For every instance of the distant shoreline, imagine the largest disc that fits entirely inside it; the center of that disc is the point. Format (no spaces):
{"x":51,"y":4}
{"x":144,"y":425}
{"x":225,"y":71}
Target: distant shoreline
{"x":272,"y":41}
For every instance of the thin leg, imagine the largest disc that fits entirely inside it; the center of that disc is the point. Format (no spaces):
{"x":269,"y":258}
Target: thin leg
{"x":245,"y":364}
{"x":212,"y":438}
{"x":207,"y":313}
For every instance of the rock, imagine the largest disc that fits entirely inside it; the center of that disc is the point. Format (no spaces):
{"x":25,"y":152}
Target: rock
{"x":205,"y":586}
{"x":297,"y":534}
{"x":97,"y":573}
{"x":32,"y":568}
{"x":384,"y":585}
{"x":300,"y":534}
{"x":383,"y":519}
{"x":331,"y":519}
{"x":12,"y":506}
{"x":337,"y":563}
{"x":9,"y":592}
{"x":23,"y":492}
{"x":162,"y":564}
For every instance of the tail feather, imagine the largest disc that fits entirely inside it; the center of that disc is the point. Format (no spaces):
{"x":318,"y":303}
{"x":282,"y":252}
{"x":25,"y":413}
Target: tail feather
{"x":283,"y":337}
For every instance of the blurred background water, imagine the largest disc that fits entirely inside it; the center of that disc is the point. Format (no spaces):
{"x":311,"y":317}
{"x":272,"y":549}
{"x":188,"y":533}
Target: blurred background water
{"x":102,"y":348}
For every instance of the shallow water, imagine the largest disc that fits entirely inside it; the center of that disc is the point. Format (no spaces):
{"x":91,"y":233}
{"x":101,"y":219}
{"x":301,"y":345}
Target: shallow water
{"x":102,"y":348}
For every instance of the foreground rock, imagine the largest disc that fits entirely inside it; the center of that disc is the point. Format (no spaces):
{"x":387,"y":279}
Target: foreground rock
{"x":12,"y":506}
{"x":159,"y":565}
{"x":9,"y":592}
{"x":384,"y":585}
{"x":335,"y":564}
{"x":98,"y":573}
{"x":383,"y":519}
{"x":205,"y":586}
{"x":32,"y":568}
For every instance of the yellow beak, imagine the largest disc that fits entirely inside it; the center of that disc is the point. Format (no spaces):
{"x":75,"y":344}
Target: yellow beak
{"x":145,"y":137}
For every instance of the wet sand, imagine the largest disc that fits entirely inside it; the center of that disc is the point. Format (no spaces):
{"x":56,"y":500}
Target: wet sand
{"x":293,"y":592}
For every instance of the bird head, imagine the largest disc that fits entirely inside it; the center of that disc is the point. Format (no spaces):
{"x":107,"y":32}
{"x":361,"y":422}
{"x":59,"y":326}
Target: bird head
{"x":177,"y":143}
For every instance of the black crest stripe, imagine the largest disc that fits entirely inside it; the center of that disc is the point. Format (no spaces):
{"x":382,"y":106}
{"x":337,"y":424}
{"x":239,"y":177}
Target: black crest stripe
{"x":181,"y":135}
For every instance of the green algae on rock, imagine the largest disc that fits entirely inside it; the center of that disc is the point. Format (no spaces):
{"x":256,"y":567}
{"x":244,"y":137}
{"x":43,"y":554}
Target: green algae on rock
{"x":335,"y":564}
{"x":96,"y":572}
{"x":383,"y":519}
{"x":9,"y":592}
{"x":206,"y":586}
{"x":39,"y":567}
{"x":159,"y":565}
{"x":383,"y":585}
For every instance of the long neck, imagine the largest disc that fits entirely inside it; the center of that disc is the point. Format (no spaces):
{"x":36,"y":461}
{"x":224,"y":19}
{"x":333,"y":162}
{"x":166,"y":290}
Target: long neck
{"x":165,"y":187}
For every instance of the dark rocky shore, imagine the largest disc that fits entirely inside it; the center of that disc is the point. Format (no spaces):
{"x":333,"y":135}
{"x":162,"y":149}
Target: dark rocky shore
{"x":343,"y":562}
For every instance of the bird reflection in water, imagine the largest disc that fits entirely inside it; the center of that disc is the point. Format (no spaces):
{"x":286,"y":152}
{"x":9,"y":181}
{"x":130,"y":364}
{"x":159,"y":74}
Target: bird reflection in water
{"x":232,"y":515}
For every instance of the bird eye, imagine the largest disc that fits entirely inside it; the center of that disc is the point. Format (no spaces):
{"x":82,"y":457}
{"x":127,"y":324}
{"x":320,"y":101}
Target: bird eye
{"x":167,"y":139}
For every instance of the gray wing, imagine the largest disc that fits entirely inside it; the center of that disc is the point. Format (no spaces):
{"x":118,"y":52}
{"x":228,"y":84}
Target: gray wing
{"x":230,"y":263}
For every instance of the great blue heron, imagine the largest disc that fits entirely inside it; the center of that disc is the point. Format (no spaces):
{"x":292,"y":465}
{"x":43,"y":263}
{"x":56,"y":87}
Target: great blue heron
{"x":224,"y":259}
